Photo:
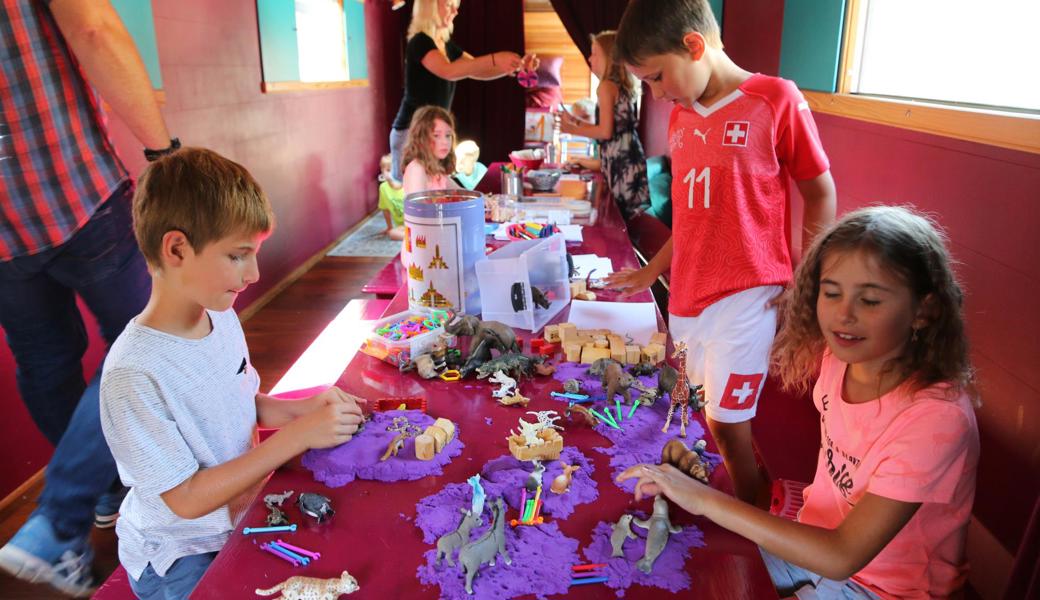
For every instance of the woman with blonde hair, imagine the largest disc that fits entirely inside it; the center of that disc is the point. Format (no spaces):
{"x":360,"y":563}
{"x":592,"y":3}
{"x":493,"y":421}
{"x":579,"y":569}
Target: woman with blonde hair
{"x":433,"y":63}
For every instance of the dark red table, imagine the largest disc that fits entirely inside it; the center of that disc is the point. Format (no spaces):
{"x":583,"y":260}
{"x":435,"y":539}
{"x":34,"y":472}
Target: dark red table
{"x":382,"y":550}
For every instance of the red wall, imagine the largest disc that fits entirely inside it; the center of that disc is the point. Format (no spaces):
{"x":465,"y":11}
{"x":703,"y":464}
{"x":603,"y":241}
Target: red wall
{"x":315,"y":153}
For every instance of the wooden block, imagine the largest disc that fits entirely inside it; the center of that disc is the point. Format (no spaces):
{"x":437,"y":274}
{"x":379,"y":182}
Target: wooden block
{"x":601,"y":342}
{"x":587,"y":296}
{"x":632,"y":355}
{"x":591,"y":354}
{"x":447,"y":426}
{"x":440,"y":437}
{"x":552,"y":333}
{"x":654,"y":353}
{"x":617,"y":347}
{"x":425,"y":447}
{"x":568,"y":331}
{"x":573,"y":352}
{"x":660,"y":338}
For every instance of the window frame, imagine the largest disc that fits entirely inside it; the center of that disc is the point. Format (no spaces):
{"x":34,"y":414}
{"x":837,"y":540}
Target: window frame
{"x":1017,"y":131}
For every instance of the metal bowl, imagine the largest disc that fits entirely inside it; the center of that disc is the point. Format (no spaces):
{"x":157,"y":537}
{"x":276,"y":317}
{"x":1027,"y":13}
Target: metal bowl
{"x":544,"y":180}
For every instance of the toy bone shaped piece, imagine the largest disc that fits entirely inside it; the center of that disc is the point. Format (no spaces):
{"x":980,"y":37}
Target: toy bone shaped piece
{"x":315,"y":505}
{"x":312,"y":588}
{"x":449,"y":542}
{"x":394,"y":446}
{"x":507,"y":384}
{"x":688,"y":461}
{"x":487,"y":547}
{"x":562,"y":482}
{"x":658,"y":528}
{"x":619,"y":532}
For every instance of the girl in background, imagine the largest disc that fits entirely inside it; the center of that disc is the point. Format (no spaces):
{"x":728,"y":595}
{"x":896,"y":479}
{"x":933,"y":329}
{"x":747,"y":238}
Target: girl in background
{"x":622,"y":157}
{"x":887,"y":512}
{"x":429,"y":152}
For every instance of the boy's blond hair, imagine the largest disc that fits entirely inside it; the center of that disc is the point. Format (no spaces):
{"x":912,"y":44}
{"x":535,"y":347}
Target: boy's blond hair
{"x":653,"y":27}
{"x":420,"y":133}
{"x":201,"y":194}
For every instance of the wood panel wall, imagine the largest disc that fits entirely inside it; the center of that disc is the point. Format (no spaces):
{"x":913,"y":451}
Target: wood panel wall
{"x":545,"y":35}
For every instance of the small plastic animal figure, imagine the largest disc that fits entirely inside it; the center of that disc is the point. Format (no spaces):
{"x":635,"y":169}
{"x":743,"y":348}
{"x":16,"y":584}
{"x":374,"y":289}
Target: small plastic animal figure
{"x":539,"y":299}
{"x":613,"y":378}
{"x":514,"y":364}
{"x":425,"y":366}
{"x":688,"y":461}
{"x":546,"y":418}
{"x":572,"y":386}
{"x":507,"y":384}
{"x":315,"y":505}
{"x":534,"y":480}
{"x":312,"y":588}
{"x":276,"y":517}
{"x":478,"y":494}
{"x":562,"y":482}
{"x":529,"y":431}
{"x":516,"y":398}
{"x":680,"y":393}
{"x":619,"y":532}
{"x":487,"y":547}
{"x":277,"y":499}
{"x":544,"y":369}
{"x":658,"y":528}
{"x":449,"y":542}
{"x":590,"y":419}
{"x":643,"y":368}
{"x":485,"y":335}
{"x":394,"y":446}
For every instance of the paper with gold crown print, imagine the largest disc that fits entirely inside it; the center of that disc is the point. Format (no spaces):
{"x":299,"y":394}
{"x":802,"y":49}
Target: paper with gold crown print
{"x":433,"y":261}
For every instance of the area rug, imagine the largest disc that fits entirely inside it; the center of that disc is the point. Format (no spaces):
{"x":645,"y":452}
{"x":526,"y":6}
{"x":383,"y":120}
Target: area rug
{"x":368,"y":240}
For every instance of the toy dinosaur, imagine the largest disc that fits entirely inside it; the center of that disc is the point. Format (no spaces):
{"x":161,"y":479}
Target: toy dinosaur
{"x":449,"y":542}
{"x":394,"y":446}
{"x":619,"y":532}
{"x":487,"y":547}
{"x":562,"y":482}
{"x":299,"y":587}
{"x":688,"y":461}
{"x":658,"y":528}
{"x":514,"y":364}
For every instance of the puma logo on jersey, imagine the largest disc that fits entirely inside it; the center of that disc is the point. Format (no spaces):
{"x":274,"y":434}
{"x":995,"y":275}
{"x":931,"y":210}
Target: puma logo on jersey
{"x":703,"y":136}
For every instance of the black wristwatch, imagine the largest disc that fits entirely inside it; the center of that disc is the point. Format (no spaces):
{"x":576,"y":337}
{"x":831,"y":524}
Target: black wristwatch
{"x":153,"y":155}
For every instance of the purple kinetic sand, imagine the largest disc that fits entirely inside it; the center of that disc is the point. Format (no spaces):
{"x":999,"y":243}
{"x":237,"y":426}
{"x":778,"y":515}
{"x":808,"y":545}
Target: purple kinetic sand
{"x":487,"y":420}
{"x":591,"y":384}
{"x":359,"y":458}
{"x":668,"y":570}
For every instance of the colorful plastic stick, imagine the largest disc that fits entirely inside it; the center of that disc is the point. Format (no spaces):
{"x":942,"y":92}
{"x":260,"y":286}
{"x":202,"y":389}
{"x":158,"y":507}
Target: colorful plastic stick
{"x":308,"y":553}
{"x":523,"y":497}
{"x":576,"y":398}
{"x":249,"y":530}
{"x":604,"y":419}
{"x":289,"y":553}
{"x":610,"y":417}
{"x":633,"y":411}
{"x":588,"y":580}
{"x":588,"y":567}
{"x":617,"y":403}
{"x":284,"y":557}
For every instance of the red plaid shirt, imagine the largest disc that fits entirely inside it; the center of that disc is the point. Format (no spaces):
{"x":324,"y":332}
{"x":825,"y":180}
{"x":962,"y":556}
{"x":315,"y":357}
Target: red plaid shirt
{"x":56,"y":161}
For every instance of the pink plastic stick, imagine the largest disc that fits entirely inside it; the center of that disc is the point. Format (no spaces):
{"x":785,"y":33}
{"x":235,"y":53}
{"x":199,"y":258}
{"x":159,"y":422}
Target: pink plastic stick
{"x":295,"y":562}
{"x":299,"y":550}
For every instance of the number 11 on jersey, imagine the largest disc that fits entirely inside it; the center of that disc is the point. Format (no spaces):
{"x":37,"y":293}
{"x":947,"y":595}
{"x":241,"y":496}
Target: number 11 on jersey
{"x":692,"y":178}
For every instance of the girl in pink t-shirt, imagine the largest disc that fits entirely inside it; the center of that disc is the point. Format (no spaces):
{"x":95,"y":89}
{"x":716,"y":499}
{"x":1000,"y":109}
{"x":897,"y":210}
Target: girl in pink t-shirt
{"x":887,"y":512}
{"x":429,"y":152}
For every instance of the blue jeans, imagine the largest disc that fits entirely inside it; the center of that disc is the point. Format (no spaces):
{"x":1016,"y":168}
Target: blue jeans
{"x":45,"y":331}
{"x":794,"y":581}
{"x":180,"y":579}
{"x":397,"y":139}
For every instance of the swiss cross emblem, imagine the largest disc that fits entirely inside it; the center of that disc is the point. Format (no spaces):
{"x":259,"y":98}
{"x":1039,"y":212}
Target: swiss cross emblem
{"x":741,"y":391}
{"x":736,"y":133}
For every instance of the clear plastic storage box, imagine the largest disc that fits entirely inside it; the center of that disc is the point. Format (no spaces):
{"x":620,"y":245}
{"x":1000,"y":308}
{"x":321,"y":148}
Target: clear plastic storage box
{"x":397,"y":351}
{"x":507,"y":277}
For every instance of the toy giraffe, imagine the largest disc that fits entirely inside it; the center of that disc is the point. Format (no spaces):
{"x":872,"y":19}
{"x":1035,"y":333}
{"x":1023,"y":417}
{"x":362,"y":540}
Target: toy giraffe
{"x":680,"y":393}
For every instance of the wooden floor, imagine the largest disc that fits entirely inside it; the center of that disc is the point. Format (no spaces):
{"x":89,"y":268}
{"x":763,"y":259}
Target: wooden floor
{"x":277,"y":334}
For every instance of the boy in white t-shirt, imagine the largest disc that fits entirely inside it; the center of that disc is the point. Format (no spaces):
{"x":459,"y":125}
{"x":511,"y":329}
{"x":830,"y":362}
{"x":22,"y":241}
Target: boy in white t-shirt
{"x":179,"y":401}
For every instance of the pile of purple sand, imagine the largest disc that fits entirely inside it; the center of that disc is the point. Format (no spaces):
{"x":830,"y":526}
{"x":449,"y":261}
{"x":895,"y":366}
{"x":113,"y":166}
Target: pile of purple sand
{"x":541,"y":555}
{"x":668,"y":570}
{"x":359,"y":458}
{"x":640,"y":438}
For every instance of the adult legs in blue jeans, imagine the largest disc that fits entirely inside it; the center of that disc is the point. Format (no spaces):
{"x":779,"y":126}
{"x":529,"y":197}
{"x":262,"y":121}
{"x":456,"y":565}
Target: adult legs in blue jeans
{"x":180,"y":579}
{"x":45,"y":331}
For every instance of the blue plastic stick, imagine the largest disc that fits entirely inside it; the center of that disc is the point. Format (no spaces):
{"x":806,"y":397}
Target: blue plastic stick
{"x":303,"y":559}
{"x":575,"y":398}
{"x":249,"y":530}
{"x":588,"y":580}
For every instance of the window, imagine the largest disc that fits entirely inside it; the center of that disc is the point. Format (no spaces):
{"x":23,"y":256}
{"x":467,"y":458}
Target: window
{"x":973,"y":53}
{"x":312,"y":44}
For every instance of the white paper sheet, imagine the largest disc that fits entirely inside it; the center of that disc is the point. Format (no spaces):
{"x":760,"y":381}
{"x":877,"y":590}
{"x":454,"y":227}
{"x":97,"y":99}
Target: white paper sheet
{"x":635,"y":319}
{"x":585,"y":263}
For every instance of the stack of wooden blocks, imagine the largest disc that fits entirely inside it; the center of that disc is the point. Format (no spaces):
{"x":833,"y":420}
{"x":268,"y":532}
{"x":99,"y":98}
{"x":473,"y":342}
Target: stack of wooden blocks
{"x":434,"y":439}
{"x":589,"y":345}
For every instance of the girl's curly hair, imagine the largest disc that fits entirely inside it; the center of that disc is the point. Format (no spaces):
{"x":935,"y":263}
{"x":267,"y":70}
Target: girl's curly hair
{"x":420,"y":134}
{"x":911,"y":246}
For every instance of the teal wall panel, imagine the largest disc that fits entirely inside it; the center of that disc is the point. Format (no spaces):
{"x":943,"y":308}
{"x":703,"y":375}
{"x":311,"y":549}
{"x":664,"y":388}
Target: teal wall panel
{"x":716,"y":9}
{"x":278,"y":51}
{"x":137,"y":16}
{"x":811,"y":43}
{"x":357,"y":52}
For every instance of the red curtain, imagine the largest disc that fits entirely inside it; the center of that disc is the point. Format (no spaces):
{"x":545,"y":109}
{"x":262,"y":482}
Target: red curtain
{"x":583,"y":18}
{"x":490,"y":112}
{"x":1025,"y":576}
